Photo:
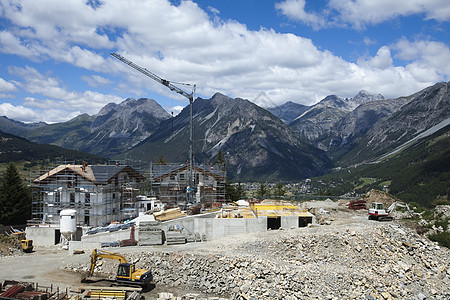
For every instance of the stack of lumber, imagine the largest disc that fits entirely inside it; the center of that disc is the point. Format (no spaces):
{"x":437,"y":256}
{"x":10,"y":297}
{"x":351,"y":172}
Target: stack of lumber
{"x":169,"y":214}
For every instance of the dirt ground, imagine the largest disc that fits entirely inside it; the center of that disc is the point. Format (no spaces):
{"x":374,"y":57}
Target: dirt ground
{"x":45,"y":264}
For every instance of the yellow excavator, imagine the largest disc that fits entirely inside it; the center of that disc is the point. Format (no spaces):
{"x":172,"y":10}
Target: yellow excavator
{"x":27,"y":245}
{"x":126,"y":273}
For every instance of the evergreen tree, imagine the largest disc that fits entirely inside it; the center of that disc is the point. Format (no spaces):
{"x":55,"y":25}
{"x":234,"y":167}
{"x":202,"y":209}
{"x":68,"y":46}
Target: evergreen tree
{"x":15,"y":198}
{"x":161,"y":161}
{"x":279,"y":189}
{"x":234,"y":193}
{"x":262,"y":190}
{"x":240,"y":193}
{"x":230,"y":191}
{"x":220,"y":160}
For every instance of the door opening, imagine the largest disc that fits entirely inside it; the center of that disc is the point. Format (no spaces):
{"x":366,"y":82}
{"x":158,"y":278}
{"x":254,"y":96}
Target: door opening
{"x":274,"y":223}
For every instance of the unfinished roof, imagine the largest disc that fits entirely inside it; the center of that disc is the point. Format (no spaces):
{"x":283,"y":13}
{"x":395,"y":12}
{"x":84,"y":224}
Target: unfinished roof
{"x":278,"y":208}
{"x":267,"y":208}
{"x":99,"y":174}
{"x":162,"y":171}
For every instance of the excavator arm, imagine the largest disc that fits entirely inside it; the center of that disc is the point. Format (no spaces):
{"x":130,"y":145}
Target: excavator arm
{"x":401,"y":204}
{"x":104,"y":254}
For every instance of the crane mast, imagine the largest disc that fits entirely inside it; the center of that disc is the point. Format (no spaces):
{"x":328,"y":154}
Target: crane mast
{"x":176,"y":89}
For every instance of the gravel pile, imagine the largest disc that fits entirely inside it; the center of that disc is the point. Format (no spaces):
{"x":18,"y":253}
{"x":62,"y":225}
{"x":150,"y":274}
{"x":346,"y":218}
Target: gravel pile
{"x":368,"y":261}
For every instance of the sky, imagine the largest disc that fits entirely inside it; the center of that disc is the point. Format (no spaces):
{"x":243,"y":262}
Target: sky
{"x":55,"y":60}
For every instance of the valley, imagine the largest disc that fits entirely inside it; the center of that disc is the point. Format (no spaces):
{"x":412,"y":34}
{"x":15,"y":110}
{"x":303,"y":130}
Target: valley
{"x":340,"y":139}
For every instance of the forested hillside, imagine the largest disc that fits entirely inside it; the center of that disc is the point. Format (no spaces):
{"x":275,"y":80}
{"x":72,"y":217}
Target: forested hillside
{"x":16,"y":149}
{"x":419,"y":174}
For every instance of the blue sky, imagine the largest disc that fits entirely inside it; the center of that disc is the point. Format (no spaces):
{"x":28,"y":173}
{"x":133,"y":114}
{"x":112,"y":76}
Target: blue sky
{"x":55,"y":62}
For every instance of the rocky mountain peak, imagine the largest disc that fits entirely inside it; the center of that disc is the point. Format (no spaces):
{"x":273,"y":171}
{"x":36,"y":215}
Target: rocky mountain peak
{"x":363,"y":97}
{"x":107,"y":109}
{"x":289,"y":111}
{"x":219,"y":96}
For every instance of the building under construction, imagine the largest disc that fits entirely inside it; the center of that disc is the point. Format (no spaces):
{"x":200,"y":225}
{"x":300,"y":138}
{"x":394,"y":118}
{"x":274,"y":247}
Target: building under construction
{"x":172,"y":185}
{"x":100,"y":194}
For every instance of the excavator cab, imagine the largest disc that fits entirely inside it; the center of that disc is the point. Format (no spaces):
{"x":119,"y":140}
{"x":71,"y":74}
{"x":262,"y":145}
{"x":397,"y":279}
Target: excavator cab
{"x":125,"y":270}
{"x":378,"y":212}
{"x":27,"y":245}
{"x":377,"y":206}
{"x":127,"y":273}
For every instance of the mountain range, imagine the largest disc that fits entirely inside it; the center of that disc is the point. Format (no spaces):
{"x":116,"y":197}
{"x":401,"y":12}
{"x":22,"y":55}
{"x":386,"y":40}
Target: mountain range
{"x":115,"y":129}
{"x":256,"y":143}
{"x":288,"y":142}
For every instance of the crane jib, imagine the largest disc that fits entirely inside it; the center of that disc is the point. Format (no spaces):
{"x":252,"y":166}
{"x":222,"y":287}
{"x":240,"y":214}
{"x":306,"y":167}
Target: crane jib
{"x":155,"y":77}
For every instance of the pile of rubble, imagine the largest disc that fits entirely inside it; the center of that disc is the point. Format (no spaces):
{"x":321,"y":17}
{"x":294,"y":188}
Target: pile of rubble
{"x":9,"y":246}
{"x":442,"y":211}
{"x":368,"y":261}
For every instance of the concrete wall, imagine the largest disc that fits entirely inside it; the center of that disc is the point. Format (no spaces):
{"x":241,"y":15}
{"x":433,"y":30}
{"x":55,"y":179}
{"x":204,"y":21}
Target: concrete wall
{"x":213,"y":228}
{"x":41,"y":236}
{"x":47,"y":236}
{"x":289,"y":221}
{"x":86,"y":246}
{"x":104,"y":237}
{"x":205,"y":225}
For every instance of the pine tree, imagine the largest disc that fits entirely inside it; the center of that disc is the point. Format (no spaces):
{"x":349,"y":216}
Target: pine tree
{"x":15,"y":198}
{"x":230,"y":191}
{"x":240,"y":191}
{"x":262,"y":190}
{"x":220,"y":160}
{"x":279,"y":189}
{"x":161,"y":161}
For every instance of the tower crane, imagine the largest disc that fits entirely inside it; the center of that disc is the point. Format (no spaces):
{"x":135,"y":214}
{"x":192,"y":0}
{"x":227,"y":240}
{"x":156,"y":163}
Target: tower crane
{"x":176,"y":89}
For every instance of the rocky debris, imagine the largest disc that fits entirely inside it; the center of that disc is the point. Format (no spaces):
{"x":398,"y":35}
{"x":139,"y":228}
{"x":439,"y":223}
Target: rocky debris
{"x":442,"y":211}
{"x":188,"y":296}
{"x":10,"y":246}
{"x":379,"y":196}
{"x":373,"y":260}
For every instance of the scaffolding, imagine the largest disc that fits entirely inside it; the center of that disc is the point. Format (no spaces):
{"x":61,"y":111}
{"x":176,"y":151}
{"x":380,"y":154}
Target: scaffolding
{"x":170,"y":184}
{"x":99,"y":194}
{"x":102,"y":194}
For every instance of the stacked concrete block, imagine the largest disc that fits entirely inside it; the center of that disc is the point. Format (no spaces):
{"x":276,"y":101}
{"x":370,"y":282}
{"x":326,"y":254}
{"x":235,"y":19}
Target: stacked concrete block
{"x":150,"y":233}
{"x":175,"y":237}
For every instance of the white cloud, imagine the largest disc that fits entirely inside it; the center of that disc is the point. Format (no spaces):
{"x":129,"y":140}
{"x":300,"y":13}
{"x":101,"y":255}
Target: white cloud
{"x":368,"y":41}
{"x":382,"y":60}
{"x":95,"y":80}
{"x":426,"y":58}
{"x":6,"y":86}
{"x":11,"y":44}
{"x":183,"y":43}
{"x":52,"y":96}
{"x":175,"y":109}
{"x":213,"y":10}
{"x":295,"y":9}
{"x":361,"y":13}
{"x":19,"y":113}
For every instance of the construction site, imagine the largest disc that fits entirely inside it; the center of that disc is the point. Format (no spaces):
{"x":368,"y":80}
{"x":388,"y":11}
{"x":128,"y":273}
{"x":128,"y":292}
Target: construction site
{"x":268,"y":250}
{"x":167,"y":232}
